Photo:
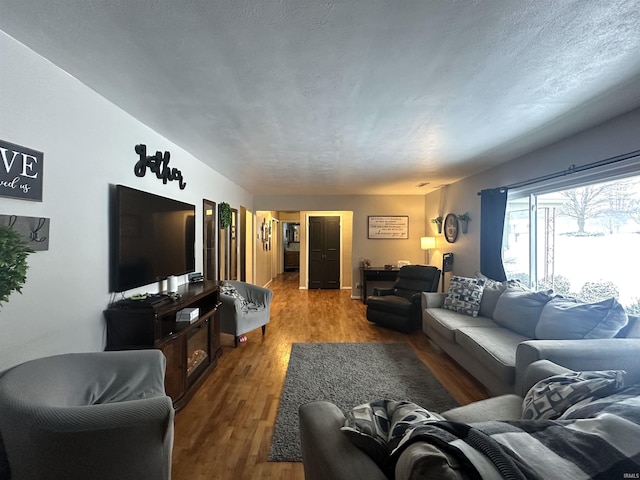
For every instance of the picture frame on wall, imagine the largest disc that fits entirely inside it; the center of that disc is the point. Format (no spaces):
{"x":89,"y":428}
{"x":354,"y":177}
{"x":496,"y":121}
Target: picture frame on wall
{"x":394,"y":227}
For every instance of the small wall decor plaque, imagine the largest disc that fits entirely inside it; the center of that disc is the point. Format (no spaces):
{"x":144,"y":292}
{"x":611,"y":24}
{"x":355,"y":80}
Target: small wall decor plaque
{"x":20,"y":172}
{"x":390,"y":227}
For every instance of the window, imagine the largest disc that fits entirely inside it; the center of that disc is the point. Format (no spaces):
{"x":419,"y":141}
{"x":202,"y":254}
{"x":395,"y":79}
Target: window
{"x":580,"y":241}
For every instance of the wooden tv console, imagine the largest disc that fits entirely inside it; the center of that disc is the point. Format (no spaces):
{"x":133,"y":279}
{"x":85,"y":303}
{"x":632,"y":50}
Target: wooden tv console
{"x":192,"y":349}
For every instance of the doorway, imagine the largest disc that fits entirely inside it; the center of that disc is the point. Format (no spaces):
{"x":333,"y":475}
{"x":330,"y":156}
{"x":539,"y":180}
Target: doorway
{"x":324,"y":252}
{"x":209,"y":251}
{"x":291,"y":246}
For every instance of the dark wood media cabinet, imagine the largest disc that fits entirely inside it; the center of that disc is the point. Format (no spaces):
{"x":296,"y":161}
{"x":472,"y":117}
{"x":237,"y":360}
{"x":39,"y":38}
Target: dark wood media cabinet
{"x":192,"y":349}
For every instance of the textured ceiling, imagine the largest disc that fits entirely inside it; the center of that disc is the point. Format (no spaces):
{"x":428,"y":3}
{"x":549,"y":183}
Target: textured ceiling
{"x":347,"y":97}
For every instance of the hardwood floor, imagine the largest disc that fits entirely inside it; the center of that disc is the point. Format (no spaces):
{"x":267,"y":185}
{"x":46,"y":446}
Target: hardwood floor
{"x":225,"y":430}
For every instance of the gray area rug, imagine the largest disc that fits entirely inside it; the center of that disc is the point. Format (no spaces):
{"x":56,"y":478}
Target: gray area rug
{"x":349,"y":374}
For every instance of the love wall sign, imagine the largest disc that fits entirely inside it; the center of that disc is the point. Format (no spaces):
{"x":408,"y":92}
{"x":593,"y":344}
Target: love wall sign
{"x":20,"y":172}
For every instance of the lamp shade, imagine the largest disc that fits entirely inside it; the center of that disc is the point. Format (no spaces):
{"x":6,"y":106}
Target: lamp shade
{"x":427,"y":243}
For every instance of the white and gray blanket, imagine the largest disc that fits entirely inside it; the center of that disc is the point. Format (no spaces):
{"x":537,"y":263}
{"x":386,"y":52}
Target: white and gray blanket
{"x":599,"y":439}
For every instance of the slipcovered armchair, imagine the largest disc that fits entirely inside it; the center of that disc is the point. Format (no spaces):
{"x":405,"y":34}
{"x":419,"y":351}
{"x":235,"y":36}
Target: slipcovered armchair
{"x":399,"y":307}
{"x":245,"y":307}
{"x":101,"y":415}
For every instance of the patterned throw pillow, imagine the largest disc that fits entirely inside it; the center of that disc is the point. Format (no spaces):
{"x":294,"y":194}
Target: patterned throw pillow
{"x":367,"y":426}
{"x":464,"y":295}
{"x":550,"y":398}
{"x":377,"y":427}
{"x":406,"y":416}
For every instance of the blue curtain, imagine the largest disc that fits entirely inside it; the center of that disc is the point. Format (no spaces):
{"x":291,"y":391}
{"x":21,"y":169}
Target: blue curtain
{"x":493,"y":205}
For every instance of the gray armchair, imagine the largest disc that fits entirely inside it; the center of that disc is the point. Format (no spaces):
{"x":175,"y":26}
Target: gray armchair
{"x":101,"y":415}
{"x":245,"y":307}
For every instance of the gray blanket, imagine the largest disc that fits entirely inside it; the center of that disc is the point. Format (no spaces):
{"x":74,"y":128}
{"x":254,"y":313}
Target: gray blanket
{"x":596,"y":440}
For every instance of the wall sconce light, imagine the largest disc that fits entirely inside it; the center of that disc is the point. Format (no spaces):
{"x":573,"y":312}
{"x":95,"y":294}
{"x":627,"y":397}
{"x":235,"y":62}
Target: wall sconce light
{"x":427,"y":243}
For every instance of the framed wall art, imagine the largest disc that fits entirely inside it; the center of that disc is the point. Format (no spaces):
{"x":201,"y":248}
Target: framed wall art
{"x":388,"y":227}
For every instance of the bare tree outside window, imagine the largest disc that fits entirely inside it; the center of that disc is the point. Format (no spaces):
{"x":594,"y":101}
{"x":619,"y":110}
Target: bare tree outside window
{"x":583,"y":203}
{"x":585,"y":243}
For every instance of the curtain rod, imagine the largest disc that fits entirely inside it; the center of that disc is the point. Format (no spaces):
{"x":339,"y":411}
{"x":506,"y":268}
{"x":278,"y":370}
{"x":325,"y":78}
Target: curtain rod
{"x":573,"y":169}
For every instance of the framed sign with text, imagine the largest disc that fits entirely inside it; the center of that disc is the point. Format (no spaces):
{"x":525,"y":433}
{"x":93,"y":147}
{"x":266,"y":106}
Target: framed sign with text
{"x":388,"y":227}
{"x":20,"y":172}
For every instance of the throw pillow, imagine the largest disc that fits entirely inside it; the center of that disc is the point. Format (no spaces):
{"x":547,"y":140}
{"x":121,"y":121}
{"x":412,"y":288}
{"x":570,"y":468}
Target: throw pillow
{"x":464,"y":295}
{"x":624,"y":400}
{"x":377,"y":427}
{"x":404,"y":416}
{"x":367,"y":426}
{"x":550,"y":398}
{"x":492,"y":291}
{"x":519,"y":310}
{"x":570,"y":319}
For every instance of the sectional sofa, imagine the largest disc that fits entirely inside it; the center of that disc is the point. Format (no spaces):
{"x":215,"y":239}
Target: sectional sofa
{"x":496,"y":329}
{"x":331,"y":453}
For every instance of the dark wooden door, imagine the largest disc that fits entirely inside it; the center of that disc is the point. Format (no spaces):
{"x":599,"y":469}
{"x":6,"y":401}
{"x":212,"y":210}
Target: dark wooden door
{"x":324,"y":252}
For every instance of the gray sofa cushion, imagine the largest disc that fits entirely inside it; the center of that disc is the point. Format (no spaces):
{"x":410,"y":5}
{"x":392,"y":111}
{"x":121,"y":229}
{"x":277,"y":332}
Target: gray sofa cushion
{"x":570,"y":319}
{"x":520,"y":310}
{"x":490,"y":294}
{"x":492,"y":291}
{"x":495,"y":348}
{"x":446,"y":322}
{"x":632,"y":329}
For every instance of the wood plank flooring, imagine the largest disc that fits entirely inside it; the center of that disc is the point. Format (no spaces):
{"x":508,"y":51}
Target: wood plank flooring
{"x":225,"y":430}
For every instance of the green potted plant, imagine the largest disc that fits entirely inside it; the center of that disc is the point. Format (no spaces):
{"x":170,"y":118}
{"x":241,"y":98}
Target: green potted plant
{"x":464,"y":221}
{"x":224,"y":211}
{"x":13,"y":262}
{"x":438,"y":221}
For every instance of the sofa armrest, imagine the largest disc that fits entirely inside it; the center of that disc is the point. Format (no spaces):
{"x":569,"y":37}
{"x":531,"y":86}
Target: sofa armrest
{"x":327,"y":453}
{"x":539,"y":370}
{"x":433,"y":300}
{"x":581,"y":355}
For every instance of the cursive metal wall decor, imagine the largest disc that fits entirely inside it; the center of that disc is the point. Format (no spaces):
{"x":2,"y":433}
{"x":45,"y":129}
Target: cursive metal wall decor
{"x":33,"y":230}
{"x":158,"y":164}
{"x":21,"y":172}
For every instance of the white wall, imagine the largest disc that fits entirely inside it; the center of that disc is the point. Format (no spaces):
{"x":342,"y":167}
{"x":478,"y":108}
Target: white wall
{"x":615,"y":137}
{"x":88,"y":144}
{"x":380,"y":252}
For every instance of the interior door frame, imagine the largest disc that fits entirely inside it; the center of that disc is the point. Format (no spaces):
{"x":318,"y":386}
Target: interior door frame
{"x":340,"y":258}
{"x":209,"y":243}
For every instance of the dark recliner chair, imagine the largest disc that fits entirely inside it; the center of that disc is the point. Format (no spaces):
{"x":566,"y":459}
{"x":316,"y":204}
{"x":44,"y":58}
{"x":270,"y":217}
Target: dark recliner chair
{"x":399,"y":307}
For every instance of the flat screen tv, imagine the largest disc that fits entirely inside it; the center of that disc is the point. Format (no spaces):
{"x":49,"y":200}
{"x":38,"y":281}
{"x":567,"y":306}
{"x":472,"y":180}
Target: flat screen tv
{"x":152,"y":237}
